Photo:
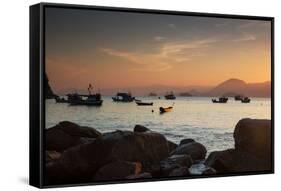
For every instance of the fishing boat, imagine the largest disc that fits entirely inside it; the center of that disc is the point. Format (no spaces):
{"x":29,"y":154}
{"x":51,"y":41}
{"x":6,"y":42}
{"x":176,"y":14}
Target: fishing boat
{"x":61,"y":100}
{"x":123,"y":97}
{"x":238,"y":97}
{"x":141,"y":103}
{"x":89,"y":100}
{"x":245,"y":100}
{"x":170,"y":95}
{"x":220,"y":100}
{"x":165,"y":109}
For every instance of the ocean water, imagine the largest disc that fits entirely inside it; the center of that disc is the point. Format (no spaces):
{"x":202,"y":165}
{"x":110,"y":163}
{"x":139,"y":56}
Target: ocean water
{"x":192,"y":117}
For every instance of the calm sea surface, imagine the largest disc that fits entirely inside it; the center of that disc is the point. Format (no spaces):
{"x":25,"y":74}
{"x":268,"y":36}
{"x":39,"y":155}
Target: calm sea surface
{"x":192,"y":117}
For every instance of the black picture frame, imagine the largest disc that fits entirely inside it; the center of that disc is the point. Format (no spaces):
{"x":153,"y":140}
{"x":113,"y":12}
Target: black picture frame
{"x":37,"y":88}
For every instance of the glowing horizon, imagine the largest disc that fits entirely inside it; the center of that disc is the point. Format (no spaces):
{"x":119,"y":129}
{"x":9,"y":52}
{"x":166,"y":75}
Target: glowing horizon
{"x":118,"y":49}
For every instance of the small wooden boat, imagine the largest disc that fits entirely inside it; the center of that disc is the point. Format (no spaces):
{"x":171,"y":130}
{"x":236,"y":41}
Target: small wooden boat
{"x":140,"y":103}
{"x":165,"y":109}
{"x":245,"y":100}
{"x":220,"y":100}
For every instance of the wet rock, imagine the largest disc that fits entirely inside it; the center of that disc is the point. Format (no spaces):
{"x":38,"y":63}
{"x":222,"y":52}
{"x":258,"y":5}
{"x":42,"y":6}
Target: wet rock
{"x":197,"y":151}
{"x":209,"y":171}
{"x":140,"y":129}
{"x":174,"y":162}
{"x":185,"y":141}
{"x":118,"y":170}
{"x":140,"y":176}
{"x":67,"y":134}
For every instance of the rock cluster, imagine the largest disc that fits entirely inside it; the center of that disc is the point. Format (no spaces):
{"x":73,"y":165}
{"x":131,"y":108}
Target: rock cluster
{"x":77,"y":154}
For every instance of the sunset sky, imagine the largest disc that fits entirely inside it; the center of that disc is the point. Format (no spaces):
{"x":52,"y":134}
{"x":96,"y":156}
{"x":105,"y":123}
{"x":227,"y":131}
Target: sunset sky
{"x":119,"y":50}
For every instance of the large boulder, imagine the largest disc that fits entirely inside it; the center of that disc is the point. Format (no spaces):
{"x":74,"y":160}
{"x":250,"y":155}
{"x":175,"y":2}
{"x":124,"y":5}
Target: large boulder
{"x":253,"y":136}
{"x":118,"y":170}
{"x":83,"y":161}
{"x":67,"y":134}
{"x":196,"y":150}
{"x":252,"y":149}
{"x":231,"y":161}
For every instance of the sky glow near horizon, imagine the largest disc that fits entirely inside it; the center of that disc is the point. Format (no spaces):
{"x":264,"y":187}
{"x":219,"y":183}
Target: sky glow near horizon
{"x":119,"y":49}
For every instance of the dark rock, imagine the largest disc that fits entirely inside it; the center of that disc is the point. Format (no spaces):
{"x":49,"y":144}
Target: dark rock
{"x":140,"y":129}
{"x":197,"y":151}
{"x":254,"y":136}
{"x":231,"y":161}
{"x":171,"y":145}
{"x":49,"y":92}
{"x":82,"y":162}
{"x":209,"y":171}
{"x":52,"y":156}
{"x":78,"y":131}
{"x":181,"y":171}
{"x":67,"y":134}
{"x":185,"y":141}
{"x":118,"y":170}
{"x":174,"y":162}
{"x":221,"y":161}
{"x":140,"y":176}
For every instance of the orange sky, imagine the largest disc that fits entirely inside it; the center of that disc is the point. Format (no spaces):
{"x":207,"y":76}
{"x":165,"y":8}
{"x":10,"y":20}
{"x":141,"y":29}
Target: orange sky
{"x":175,"y":51}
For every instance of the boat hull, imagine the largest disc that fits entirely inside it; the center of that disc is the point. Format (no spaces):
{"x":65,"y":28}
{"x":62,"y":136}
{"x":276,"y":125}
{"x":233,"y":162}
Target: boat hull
{"x":144,"y":103}
{"x":164,"y":110}
{"x":87,"y":103}
{"x":122,"y":100}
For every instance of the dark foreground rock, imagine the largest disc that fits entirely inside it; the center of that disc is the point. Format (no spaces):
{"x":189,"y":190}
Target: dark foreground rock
{"x":140,"y":129}
{"x":67,"y":134}
{"x":195,"y":150}
{"x":140,"y":176}
{"x":185,"y":141}
{"x":175,"y":165}
{"x":82,"y":162}
{"x":254,"y":137}
{"x":118,"y":170}
{"x":52,"y":156}
{"x":81,"y":154}
{"x":252,"y":150}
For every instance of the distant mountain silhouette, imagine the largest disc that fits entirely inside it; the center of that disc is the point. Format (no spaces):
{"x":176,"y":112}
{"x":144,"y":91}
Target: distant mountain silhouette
{"x":227,"y":88}
{"x":236,"y":86}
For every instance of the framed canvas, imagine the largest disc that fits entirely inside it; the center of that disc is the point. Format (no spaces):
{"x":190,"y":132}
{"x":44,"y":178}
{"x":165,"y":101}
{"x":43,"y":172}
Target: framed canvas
{"x":122,"y":95}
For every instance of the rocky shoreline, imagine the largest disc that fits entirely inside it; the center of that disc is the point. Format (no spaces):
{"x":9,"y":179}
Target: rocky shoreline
{"x":77,"y":154}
